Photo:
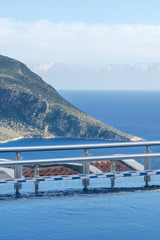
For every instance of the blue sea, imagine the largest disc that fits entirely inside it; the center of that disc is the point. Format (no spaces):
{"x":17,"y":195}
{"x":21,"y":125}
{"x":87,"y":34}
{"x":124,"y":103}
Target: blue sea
{"x":62,"y":210}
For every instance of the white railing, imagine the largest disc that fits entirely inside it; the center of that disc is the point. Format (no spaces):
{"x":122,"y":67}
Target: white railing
{"x":79,"y":146}
{"x":86,"y":159}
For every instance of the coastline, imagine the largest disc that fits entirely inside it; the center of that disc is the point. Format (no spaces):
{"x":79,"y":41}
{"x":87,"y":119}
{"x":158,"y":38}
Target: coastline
{"x":11,"y":140}
{"x":132,"y":139}
{"x":136,"y":139}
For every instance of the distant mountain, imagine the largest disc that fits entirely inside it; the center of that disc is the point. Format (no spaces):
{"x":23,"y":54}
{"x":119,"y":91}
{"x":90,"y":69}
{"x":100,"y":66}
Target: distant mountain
{"x":29,"y":107}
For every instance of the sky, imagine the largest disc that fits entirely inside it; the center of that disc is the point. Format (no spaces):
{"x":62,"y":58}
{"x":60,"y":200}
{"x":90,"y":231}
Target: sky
{"x":85,"y":44}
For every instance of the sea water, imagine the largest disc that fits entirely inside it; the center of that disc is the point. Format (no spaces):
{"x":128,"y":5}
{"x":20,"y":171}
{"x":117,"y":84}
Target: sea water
{"x":133,"y":112}
{"x":62,"y":210}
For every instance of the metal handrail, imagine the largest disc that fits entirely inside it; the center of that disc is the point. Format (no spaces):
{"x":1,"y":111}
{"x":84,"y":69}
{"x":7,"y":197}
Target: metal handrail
{"x":79,"y":146}
{"x":80,"y":159}
{"x":86,"y":159}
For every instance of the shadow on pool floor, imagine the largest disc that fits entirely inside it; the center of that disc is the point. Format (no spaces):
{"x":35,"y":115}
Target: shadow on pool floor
{"x":74,"y":192}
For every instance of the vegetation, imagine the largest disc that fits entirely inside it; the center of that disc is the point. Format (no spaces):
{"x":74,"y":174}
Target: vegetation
{"x":30,"y":107}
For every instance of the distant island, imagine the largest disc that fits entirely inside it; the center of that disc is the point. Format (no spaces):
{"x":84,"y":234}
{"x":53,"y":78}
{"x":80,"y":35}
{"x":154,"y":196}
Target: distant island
{"x":29,"y":107}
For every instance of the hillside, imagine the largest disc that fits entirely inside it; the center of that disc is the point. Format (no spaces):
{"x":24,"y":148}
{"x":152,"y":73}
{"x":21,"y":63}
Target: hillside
{"x":29,"y":107}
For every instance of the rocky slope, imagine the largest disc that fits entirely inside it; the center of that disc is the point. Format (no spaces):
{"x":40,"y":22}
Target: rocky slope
{"x":29,"y":107}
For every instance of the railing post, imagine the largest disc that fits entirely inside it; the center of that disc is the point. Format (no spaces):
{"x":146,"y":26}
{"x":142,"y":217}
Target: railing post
{"x":147,"y":166}
{"x":112,"y":170}
{"x":17,"y":173}
{"x":86,"y":170}
{"x":36,"y":175}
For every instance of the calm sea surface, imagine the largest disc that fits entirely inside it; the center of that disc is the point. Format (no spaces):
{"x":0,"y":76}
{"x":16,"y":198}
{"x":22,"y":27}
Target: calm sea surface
{"x":134,"y":112}
{"x":62,"y":210}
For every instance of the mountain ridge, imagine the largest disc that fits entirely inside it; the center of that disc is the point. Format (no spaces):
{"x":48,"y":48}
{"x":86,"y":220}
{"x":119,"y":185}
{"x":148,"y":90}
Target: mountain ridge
{"x":29,"y":107}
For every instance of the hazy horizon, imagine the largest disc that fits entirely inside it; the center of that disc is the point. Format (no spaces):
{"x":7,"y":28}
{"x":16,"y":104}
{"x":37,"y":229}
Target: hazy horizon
{"x":112,"y":45}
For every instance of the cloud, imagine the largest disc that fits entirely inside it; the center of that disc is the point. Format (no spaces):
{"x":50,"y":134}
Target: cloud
{"x":109,"y":68}
{"x":79,"y":43}
{"x":44,"y":67}
{"x":144,"y":67}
